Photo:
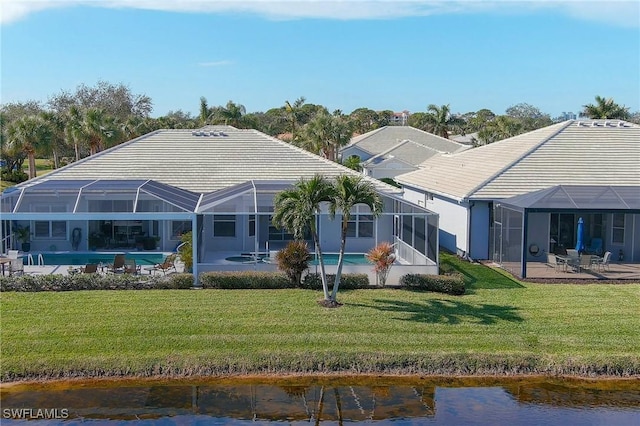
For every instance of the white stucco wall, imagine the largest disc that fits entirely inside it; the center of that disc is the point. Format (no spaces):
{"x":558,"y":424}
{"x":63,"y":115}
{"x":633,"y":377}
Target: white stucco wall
{"x":453,"y":218}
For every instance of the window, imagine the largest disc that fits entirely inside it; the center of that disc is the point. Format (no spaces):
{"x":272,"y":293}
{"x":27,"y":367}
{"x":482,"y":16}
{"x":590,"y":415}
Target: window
{"x":360,"y":226}
{"x":224,"y":225}
{"x":56,"y":229}
{"x":179,"y":227}
{"x":45,"y":229}
{"x":276,"y":234}
{"x":617,"y":228}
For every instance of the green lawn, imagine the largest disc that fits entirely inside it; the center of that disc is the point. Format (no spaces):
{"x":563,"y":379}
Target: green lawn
{"x":500,"y":327}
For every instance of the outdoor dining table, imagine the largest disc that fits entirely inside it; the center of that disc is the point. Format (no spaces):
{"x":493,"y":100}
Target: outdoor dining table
{"x":570,"y":261}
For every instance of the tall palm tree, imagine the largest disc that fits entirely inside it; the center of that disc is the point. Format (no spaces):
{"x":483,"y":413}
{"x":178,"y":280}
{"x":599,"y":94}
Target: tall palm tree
{"x":58,"y":142}
{"x":606,"y":108}
{"x":350,"y":191}
{"x":29,"y":134}
{"x":325,"y":134}
{"x":296,"y":210}
{"x":293,"y":112}
{"x":439,"y":120}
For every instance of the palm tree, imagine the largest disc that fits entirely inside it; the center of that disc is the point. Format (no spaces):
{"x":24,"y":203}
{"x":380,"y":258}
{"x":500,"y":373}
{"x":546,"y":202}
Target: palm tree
{"x":296,"y":210}
{"x":325,"y":134}
{"x":29,"y":134}
{"x":293,"y":112}
{"x":232,"y":113}
{"x":58,"y":142}
{"x":439,"y":120}
{"x":349,"y":191}
{"x":606,"y":108}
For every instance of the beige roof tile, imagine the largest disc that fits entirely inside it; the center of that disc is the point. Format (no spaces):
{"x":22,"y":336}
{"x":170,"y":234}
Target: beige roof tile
{"x":568,"y":153}
{"x":205,"y":163}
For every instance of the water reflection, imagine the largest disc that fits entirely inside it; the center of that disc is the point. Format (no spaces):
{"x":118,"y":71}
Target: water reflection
{"x":338,"y":401}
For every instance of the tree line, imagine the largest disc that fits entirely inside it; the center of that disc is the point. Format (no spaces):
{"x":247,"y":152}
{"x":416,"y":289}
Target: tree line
{"x":73,"y":125}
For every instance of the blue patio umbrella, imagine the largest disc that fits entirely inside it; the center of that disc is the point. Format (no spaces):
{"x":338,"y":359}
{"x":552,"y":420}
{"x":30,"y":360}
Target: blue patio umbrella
{"x":580,"y":236}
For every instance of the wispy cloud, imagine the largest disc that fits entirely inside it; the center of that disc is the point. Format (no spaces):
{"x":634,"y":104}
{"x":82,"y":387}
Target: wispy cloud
{"x":620,"y":13}
{"x":215,"y":63}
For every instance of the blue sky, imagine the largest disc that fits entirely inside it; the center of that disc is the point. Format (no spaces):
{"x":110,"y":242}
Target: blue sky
{"x":344,"y":55}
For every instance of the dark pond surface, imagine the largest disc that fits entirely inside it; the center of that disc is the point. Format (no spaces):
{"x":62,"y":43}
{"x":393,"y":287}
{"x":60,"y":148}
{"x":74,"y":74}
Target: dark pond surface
{"x":322,"y":400}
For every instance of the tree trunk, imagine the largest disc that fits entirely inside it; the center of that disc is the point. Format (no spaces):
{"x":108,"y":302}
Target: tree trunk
{"x":343,"y":243}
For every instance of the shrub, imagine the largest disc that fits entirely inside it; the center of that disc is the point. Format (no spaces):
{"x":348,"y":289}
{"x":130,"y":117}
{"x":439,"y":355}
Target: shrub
{"x":245,"y":280}
{"x":55,"y":282}
{"x":382,"y":256}
{"x":174,"y":281}
{"x":450,"y":284}
{"x":15,"y":176}
{"x":293,"y":260}
{"x":347,"y":281}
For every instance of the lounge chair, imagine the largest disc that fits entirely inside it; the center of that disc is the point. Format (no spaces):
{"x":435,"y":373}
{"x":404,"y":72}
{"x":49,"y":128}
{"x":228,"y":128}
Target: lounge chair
{"x":90,"y":268}
{"x":118,"y":264}
{"x":166,"y":266}
{"x":130,"y":267}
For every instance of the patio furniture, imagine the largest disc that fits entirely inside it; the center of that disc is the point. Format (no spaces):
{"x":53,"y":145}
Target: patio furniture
{"x":596,"y":246}
{"x":90,"y":268}
{"x":585,"y":262}
{"x":118,"y":264}
{"x":130,"y":267}
{"x":166,"y":266}
{"x":602,"y":262}
{"x":555,"y":262}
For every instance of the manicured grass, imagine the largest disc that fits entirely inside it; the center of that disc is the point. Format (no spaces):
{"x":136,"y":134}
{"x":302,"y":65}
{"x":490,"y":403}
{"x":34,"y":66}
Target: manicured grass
{"x":503,"y":328}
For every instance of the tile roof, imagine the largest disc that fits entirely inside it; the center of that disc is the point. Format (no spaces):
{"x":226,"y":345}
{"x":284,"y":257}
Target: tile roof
{"x":603,"y":152}
{"x":205,"y":160}
{"x":385,"y":138}
{"x":407,"y":151}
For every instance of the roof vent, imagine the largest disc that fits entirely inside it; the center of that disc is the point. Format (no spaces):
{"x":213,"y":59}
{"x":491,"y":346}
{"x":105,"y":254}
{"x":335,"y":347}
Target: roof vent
{"x":223,"y":134}
{"x":213,"y":134}
{"x":594,"y":124}
{"x":621,"y":124}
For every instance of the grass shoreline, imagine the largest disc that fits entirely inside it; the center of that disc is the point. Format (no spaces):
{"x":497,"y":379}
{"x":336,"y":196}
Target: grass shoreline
{"x":500,"y":327}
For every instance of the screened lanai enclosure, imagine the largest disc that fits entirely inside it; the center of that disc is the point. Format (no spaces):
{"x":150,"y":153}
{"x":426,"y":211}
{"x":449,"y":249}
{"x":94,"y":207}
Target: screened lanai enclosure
{"x":551,"y":221}
{"x":232,"y":223}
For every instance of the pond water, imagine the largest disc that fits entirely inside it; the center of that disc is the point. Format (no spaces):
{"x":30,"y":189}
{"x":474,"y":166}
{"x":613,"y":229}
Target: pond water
{"x":304,"y":400}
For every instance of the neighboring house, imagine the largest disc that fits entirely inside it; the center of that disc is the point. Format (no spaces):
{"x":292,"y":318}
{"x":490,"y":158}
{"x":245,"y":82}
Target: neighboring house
{"x":393,"y":150}
{"x":503,"y":200}
{"x":400,"y":118}
{"x":218,"y":181}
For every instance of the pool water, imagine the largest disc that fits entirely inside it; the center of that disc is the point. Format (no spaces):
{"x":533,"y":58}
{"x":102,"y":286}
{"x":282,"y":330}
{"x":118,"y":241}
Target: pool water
{"x":329,"y":259}
{"x":349,"y":259}
{"x":83,"y":258}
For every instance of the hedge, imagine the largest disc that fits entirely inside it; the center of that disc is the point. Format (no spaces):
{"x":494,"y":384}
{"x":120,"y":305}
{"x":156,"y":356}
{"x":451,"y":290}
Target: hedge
{"x":56,"y":282}
{"x":245,"y":280}
{"x":450,"y":284}
{"x":347,"y":281}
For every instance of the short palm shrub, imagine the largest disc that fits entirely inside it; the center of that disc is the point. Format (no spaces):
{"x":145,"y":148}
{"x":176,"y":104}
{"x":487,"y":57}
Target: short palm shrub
{"x":347,"y":281}
{"x":450,"y":284}
{"x":245,"y":280}
{"x":382,"y":256}
{"x":293,"y":260}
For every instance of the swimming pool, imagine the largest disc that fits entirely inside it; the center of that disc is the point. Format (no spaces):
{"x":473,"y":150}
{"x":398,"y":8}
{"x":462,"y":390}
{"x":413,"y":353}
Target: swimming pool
{"x":349,"y":259}
{"x":83,"y":258}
